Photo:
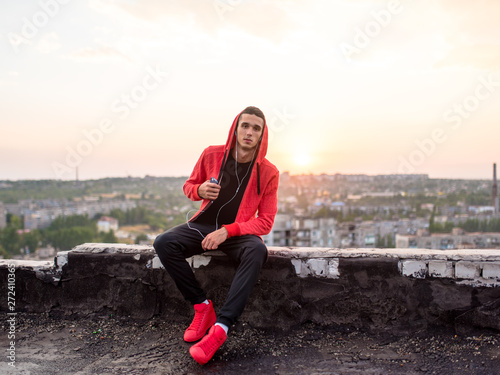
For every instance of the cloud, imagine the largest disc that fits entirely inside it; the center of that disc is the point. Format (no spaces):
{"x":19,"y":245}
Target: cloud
{"x":469,"y":22}
{"x":99,"y":54}
{"x":472,"y":33}
{"x":264,"y":19}
{"x":48,"y":43}
{"x":267,"y":19}
{"x":479,"y":56}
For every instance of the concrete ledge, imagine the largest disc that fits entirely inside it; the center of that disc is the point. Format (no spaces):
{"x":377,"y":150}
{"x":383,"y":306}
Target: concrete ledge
{"x":397,"y":290}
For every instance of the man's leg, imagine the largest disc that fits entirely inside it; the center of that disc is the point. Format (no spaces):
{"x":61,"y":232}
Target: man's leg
{"x":251,"y":254}
{"x":173,"y":247}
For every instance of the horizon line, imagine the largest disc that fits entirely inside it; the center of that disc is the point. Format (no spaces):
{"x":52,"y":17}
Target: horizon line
{"x":281,"y":173}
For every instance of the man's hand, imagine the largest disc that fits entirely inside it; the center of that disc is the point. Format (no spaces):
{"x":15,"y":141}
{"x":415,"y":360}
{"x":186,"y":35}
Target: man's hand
{"x":208,"y":190}
{"x":214,"y":239}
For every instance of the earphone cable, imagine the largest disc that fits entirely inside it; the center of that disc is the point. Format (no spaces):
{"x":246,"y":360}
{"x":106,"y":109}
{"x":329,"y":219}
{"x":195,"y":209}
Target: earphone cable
{"x":239,"y":184}
{"x":234,"y":196}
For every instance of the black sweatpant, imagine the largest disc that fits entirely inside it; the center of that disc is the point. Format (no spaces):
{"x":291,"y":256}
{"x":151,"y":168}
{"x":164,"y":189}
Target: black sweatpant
{"x":181,"y":242}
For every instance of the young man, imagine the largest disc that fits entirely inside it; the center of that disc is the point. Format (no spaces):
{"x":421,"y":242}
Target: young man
{"x":236,"y":210}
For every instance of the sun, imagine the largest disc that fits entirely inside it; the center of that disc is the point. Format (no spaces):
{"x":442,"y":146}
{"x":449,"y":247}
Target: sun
{"x":302,"y":159}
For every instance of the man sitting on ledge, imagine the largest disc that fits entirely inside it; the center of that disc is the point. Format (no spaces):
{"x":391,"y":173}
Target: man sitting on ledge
{"x":239,"y":205}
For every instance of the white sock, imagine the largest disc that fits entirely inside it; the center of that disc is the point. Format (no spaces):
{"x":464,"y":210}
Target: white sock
{"x":206,"y":302}
{"x":223,"y":326}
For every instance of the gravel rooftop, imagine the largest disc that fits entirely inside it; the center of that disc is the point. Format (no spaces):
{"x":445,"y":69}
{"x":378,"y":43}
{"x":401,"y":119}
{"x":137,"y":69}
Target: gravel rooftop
{"x":118,"y":345}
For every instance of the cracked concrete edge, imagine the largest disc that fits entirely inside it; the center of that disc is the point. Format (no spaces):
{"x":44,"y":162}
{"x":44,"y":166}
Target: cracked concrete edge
{"x":415,"y":254}
{"x":112,"y":248}
{"x":473,"y":267}
{"x":35,"y":265}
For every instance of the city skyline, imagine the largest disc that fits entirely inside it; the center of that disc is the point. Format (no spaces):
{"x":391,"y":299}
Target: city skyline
{"x":353,"y":87}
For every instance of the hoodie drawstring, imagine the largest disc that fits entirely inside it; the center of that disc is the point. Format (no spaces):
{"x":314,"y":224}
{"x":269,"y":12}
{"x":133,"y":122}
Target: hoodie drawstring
{"x":219,"y":177}
{"x":258,"y":180}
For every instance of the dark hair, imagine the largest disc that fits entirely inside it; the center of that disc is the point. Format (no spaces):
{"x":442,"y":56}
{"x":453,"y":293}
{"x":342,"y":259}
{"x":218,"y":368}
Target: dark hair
{"x":254,"y":111}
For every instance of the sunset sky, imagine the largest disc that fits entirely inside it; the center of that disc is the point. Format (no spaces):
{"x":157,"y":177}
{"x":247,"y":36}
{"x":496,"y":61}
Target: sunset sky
{"x":120,"y":88}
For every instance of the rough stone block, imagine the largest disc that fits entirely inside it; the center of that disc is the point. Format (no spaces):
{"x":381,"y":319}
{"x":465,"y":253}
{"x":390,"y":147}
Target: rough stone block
{"x":201,"y":260}
{"x":61,"y":259}
{"x":333,"y":269}
{"x":297,"y":264}
{"x":317,"y":267}
{"x":441,"y":268}
{"x":414,"y":268}
{"x":467,"y":270}
{"x":156,"y":263}
{"x":491,"y":271}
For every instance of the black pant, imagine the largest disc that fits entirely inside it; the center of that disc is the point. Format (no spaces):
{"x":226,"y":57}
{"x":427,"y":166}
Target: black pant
{"x":181,"y":242}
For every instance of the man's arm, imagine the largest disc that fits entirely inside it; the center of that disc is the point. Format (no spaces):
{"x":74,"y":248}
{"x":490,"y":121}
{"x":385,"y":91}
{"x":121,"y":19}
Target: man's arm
{"x":262,"y":224}
{"x":208,"y":190}
{"x":196,"y":186}
{"x":214,"y":239}
{"x":196,"y":179}
{"x":266,"y":212}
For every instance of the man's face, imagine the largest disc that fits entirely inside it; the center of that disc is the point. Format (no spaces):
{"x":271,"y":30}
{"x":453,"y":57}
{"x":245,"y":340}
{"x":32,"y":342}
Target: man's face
{"x":250,"y":128}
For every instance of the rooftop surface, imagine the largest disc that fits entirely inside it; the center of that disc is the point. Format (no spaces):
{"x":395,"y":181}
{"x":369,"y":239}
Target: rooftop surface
{"x":111,"y":309}
{"x":117,"y":345}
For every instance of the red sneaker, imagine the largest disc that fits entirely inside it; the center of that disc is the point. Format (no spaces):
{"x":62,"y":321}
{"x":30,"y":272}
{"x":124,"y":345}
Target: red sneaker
{"x":204,"y":318}
{"x":203,"y":351}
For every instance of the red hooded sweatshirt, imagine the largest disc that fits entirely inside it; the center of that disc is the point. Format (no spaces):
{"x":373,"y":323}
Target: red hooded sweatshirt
{"x":259,"y":204}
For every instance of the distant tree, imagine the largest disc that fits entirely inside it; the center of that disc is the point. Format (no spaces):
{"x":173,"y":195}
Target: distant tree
{"x":327,"y":212}
{"x":67,"y":238}
{"x":119,"y":215}
{"x":157,"y":223}
{"x":493,"y":225}
{"x":481,"y":198}
{"x":31,"y":240}
{"x":475,"y":225}
{"x":141,"y":237}
{"x":470,"y":225}
{"x":390,"y":242}
{"x":140,"y":215}
{"x":14,"y":221}
{"x":431,"y":220}
{"x":3,"y":253}
{"x":62,"y":222}
{"x":380,"y":242}
{"x":441,"y":228}
{"x":11,"y":241}
{"x":97,"y":216}
{"x":385,"y":242}
{"x":108,"y":237}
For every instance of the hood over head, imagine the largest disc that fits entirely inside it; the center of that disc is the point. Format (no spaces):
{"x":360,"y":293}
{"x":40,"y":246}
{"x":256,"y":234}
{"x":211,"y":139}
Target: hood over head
{"x":262,"y":146}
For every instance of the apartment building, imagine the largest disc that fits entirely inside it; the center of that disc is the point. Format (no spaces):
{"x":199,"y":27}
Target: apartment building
{"x":39,"y":215}
{"x":448,"y":241}
{"x":366,"y":234}
{"x":305,"y":232}
{"x":282,"y":232}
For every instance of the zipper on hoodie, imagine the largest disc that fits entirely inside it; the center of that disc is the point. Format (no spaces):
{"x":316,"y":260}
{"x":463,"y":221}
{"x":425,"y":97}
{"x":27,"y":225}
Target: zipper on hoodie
{"x":219,"y":178}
